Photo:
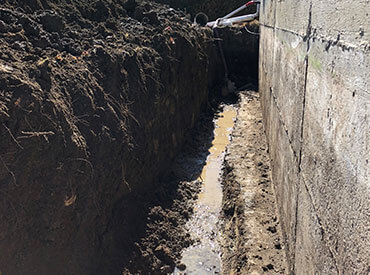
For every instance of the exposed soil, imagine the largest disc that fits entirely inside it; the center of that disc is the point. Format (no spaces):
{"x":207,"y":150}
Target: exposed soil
{"x":240,"y":44}
{"x":95,"y":100}
{"x":241,"y":49}
{"x":248,"y":231}
{"x":252,"y":240}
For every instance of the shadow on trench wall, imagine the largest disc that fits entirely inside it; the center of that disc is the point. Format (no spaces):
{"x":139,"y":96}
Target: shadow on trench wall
{"x":144,"y":220}
{"x":241,"y":53}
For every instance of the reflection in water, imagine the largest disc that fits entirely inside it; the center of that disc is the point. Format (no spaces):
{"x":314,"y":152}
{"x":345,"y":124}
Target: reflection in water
{"x":204,"y":256}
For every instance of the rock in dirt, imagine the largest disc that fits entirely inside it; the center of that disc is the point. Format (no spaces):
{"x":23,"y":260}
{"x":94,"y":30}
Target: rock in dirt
{"x":3,"y":27}
{"x":51,"y":21}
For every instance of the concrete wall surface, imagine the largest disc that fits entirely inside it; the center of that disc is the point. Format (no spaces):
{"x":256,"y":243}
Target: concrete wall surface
{"x":315,"y":86}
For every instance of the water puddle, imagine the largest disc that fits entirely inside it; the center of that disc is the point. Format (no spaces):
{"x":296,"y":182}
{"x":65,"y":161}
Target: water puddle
{"x":204,"y":256}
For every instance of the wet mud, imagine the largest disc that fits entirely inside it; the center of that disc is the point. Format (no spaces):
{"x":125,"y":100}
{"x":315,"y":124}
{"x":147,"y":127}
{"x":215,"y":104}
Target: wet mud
{"x":203,"y":257}
{"x":231,"y":224}
{"x":165,"y":231}
{"x":251,"y":242}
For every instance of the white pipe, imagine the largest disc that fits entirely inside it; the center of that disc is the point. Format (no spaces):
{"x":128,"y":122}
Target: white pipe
{"x":224,"y":22}
{"x":234,"y":12}
{"x":229,"y":22}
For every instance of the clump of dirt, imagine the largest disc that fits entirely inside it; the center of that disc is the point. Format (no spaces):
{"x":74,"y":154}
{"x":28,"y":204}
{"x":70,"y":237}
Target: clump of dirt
{"x":95,"y":100}
{"x":252,"y":235}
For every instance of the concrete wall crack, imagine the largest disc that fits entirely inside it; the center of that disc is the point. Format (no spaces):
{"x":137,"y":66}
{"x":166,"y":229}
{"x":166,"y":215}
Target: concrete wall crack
{"x":314,"y":79}
{"x":307,"y":38}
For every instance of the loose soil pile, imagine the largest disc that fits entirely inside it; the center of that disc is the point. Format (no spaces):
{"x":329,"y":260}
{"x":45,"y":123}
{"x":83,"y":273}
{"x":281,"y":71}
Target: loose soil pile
{"x":95,"y":100}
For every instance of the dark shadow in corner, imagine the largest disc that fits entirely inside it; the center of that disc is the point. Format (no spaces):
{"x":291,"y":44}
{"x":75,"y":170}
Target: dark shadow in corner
{"x":241,"y":49}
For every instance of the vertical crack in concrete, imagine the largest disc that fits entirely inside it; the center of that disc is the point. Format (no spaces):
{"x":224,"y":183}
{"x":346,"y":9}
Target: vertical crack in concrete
{"x":285,"y":127}
{"x":307,"y":39}
{"x":320,"y":225}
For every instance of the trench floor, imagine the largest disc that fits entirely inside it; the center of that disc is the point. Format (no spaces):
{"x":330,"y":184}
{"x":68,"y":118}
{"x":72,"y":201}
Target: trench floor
{"x":217,"y":212}
{"x":203,"y":257}
{"x":251,"y":241}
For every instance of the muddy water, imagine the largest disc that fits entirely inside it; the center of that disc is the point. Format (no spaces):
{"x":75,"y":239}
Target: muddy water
{"x":204,"y":256}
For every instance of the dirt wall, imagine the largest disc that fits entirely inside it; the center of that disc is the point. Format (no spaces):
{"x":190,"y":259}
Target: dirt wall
{"x":314,"y":83}
{"x":95,"y":98}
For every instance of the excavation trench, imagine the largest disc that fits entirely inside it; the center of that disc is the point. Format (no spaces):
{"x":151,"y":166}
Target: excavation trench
{"x":113,"y":141}
{"x":186,"y":229}
{"x":183,"y":226}
{"x":225,"y":216}
{"x":221,"y":216}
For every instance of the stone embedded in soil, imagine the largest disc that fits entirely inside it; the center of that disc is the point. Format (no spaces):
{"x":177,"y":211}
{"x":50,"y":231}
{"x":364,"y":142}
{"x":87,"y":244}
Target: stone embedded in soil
{"x":181,"y":267}
{"x":51,"y":21}
{"x":3,"y":27}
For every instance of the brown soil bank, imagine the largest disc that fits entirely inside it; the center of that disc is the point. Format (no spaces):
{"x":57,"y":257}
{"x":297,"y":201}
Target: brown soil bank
{"x":95,"y":98}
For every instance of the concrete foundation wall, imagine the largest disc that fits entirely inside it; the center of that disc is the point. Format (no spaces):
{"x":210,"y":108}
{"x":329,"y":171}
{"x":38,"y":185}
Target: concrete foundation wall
{"x":315,"y":88}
